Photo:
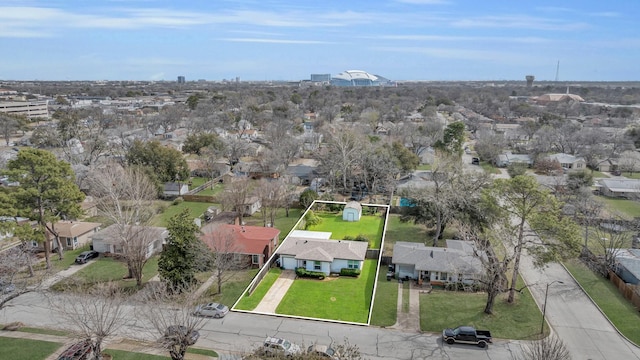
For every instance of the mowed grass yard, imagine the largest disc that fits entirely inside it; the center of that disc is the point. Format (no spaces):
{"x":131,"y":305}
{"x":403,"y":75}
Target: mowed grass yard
{"x":26,"y":349}
{"x":249,"y":302}
{"x":386,"y":301}
{"x":444,"y":309}
{"x":106,"y":269}
{"x":371,"y":226}
{"x":336,"y":298}
{"x":630,"y":208}
{"x":619,"y":310}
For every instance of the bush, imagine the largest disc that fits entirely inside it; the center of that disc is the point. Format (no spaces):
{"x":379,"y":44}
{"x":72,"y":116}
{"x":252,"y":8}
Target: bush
{"x":311,"y":219}
{"x":349,"y":272}
{"x":302,"y":272}
{"x":361,"y":237}
{"x":178,"y":200}
{"x":516,"y":169}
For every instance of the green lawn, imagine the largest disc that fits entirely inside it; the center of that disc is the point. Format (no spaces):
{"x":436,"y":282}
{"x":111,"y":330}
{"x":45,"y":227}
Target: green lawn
{"x":196,"y":208}
{"x":69,"y":258}
{"x":336,"y":298}
{"x":26,"y":349}
{"x":232,"y":289}
{"x":283,"y":222}
{"x":127,"y":355}
{"x":442,"y":309}
{"x":197,"y":181}
{"x":205,"y":352}
{"x":403,"y":231}
{"x":370,"y":226}
{"x":489,"y":168}
{"x":217,"y":188}
{"x":630,"y":208}
{"x":43,"y":331}
{"x":106,"y":269}
{"x":386,"y":301}
{"x":249,"y":302}
{"x":424,"y":167}
{"x":620,"y":311}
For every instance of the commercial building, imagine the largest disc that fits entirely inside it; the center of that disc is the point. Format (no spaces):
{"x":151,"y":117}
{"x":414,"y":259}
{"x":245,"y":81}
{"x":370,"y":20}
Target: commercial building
{"x":29,"y":109}
{"x":360,"y":78}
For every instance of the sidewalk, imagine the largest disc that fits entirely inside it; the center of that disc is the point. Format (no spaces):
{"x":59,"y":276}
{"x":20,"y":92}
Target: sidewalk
{"x":114,"y":343}
{"x":63,"y":274}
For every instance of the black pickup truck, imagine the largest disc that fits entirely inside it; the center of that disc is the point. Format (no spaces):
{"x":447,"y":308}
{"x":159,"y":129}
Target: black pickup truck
{"x":467,"y":335}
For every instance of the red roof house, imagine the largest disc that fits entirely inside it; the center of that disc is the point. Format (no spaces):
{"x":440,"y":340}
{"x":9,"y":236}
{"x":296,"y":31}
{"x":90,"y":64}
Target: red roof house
{"x":251,"y":246}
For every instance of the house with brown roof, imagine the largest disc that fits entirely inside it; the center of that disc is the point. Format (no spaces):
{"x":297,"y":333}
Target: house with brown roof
{"x":73,"y":234}
{"x":316,"y":251}
{"x":251,"y":246}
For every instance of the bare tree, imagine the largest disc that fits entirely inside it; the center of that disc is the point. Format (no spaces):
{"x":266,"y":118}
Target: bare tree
{"x":170,"y":313}
{"x":125,"y":196}
{"x":221,"y":240}
{"x":14,"y":280}
{"x":549,"y":348}
{"x":236,"y":195}
{"x":94,"y":315}
{"x":271,"y":194}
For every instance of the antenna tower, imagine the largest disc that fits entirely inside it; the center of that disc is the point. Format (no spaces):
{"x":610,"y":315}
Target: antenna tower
{"x":558,"y":71}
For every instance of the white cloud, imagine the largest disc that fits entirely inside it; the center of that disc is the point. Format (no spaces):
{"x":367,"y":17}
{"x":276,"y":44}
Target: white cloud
{"x":519,"y":22}
{"x":447,"y":38}
{"x":275,"y":41}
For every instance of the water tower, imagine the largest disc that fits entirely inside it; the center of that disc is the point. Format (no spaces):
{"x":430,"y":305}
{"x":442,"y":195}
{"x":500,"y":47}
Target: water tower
{"x":530,"y":79}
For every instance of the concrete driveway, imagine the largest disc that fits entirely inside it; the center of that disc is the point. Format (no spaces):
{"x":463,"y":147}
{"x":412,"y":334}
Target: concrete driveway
{"x":275,"y":294}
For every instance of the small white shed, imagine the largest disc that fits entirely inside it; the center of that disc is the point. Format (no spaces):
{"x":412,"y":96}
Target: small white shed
{"x":352,"y":211}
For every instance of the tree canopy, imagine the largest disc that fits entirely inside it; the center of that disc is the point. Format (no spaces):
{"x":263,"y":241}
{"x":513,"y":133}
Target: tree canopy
{"x":166,"y":163}
{"x":47,"y":191}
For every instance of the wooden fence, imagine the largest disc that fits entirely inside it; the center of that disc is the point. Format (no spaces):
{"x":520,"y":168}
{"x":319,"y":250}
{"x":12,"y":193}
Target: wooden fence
{"x":629,"y":291}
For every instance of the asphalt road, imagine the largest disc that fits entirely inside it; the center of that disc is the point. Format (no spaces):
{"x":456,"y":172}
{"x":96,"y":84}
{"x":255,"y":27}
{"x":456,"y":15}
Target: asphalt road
{"x":240,"y":332}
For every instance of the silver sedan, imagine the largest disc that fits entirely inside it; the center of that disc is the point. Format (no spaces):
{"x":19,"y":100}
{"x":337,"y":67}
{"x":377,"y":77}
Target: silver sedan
{"x":214,"y":310}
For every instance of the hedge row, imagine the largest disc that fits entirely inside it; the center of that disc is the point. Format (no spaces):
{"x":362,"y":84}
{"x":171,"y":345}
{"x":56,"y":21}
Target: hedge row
{"x":302,"y":272}
{"x":349,"y":272}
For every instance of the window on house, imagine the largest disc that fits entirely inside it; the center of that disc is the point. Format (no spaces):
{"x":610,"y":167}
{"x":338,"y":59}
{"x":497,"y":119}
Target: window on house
{"x":444,"y":276}
{"x":75,"y":239}
{"x":353,"y":264}
{"x":255,"y":259}
{"x":317,"y":265}
{"x":68,"y":241}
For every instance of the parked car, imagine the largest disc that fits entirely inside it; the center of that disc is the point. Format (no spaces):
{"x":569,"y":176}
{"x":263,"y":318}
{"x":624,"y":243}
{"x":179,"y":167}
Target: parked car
{"x":176,"y":334}
{"x":323,"y":351}
{"x":79,"y":351}
{"x":467,"y":335}
{"x":616,"y":173}
{"x":475,"y":161}
{"x":86,"y":256}
{"x":273,"y":345}
{"x":211,"y":310}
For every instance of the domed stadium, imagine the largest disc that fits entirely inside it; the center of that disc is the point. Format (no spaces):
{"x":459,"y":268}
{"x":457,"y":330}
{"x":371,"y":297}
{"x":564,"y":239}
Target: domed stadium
{"x":359,"y":78}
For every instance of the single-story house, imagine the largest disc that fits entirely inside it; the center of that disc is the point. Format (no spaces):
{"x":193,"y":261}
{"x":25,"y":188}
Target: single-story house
{"x":145,"y":238}
{"x":569,"y":162}
{"x":251,"y":246}
{"x":622,"y":188}
{"x":506,"y":159}
{"x":607,"y":165}
{"x":175,"y":188}
{"x":352,"y":211}
{"x":73,"y":234}
{"x":455,"y":263}
{"x":252,"y":205}
{"x":315,"y":251}
{"x":628,"y":265}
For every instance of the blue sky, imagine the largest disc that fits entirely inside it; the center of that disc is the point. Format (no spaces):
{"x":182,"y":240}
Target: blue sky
{"x":289,"y":40}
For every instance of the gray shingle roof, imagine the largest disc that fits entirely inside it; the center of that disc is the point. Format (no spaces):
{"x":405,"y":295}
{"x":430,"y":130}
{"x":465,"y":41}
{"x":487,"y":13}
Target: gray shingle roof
{"x":457,"y":257}
{"x":323,"y":250}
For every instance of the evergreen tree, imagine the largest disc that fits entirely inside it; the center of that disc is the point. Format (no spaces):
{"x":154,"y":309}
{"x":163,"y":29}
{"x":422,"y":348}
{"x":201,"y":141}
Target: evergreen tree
{"x":177,"y":264}
{"x":47,"y":192}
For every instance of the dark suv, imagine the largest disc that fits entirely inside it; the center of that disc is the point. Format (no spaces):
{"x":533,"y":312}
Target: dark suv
{"x":86,"y":256}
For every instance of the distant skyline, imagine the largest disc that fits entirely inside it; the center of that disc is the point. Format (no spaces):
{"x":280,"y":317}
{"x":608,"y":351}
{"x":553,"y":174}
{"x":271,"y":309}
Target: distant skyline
{"x":290,"y":40}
